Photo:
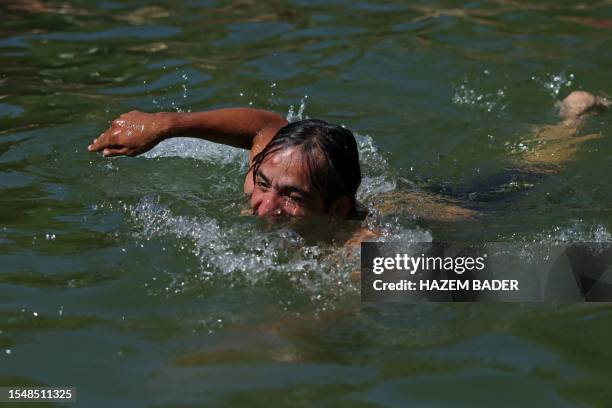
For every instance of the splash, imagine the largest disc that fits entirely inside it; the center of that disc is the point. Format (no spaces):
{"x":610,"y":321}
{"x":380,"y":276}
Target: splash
{"x":292,"y":116}
{"x":193,"y":148}
{"x":553,"y":83}
{"x":472,"y":98}
{"x":377,"y":177}
{"x":244,"y":251}
{"x":577,"y":232}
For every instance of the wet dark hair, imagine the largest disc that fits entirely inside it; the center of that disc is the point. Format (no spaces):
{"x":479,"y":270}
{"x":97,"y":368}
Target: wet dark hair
{"x":340,"y":174}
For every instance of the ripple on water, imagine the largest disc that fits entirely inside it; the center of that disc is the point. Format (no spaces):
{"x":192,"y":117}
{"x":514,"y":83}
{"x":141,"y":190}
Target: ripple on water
{"x":8,"y":110}
{"x":251,"y":250}
{"x":245,"y":250}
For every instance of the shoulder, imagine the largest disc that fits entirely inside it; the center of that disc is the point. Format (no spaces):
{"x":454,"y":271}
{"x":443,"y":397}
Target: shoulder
{"x":264,"y":136}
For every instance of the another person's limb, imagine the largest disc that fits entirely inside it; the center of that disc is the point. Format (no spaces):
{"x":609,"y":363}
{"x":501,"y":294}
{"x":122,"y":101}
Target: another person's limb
{"x":136,"y":132}
{"x":554,"y":145}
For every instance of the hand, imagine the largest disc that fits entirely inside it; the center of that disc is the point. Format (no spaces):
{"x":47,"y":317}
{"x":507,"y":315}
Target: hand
{"x":580,"y":103}
{"x":132,"y":133}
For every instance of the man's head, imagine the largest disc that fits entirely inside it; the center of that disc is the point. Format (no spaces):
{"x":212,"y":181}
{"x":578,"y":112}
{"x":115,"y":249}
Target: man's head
{"x":309,"y":167}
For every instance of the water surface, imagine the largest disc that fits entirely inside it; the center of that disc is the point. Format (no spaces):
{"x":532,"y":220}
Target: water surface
{"x":136,"y":280}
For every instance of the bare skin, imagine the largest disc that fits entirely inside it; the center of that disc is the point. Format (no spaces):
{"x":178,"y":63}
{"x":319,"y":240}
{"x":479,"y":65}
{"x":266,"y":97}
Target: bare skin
{"x":550,"y":148}
{"x":135,"y":132}
{"x":281,"y":187}
{"x":553,"y":146}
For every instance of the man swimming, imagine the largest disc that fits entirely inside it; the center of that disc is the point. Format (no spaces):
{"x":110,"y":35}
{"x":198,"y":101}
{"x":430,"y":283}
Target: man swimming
{"x":299,"y":169}
{"x":311,"y":167}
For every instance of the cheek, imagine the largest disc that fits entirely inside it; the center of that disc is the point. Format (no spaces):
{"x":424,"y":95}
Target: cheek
{"x":255,"y":198}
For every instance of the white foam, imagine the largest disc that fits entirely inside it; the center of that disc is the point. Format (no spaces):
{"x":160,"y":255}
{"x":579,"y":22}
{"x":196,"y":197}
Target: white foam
{"x":377,"y":177}
{"x":577,"y":232}
{"x":240,"y":248}
{"x":246,"y":251}
{"x":376,"y":174}
{"x":193,"y":148}
{"x":292,"y":116}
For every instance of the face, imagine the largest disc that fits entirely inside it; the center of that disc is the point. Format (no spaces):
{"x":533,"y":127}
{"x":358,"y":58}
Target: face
{"x":283,"y":187}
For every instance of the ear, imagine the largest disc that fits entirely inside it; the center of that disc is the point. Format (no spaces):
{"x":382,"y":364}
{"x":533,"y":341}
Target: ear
{"x":341,"y":207}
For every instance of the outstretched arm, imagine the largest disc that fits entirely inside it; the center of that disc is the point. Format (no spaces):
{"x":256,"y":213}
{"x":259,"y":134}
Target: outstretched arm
{"x":135,"y":132}
{"x":553,"y":146}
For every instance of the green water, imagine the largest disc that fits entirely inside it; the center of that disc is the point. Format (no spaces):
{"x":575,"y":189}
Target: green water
{"x":136,"y":281}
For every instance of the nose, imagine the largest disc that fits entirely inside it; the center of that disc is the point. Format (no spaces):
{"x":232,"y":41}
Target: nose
{"x":269,"y":205}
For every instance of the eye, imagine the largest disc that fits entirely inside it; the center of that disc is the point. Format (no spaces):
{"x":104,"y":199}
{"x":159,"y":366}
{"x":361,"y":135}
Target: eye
{"x":261,"y":184}
{"x":295,"y":199}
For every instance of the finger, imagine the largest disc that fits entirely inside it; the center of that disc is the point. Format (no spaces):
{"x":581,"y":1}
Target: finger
{"x":92,"y":146}
{"x":115,"y":152}
{"x":101,"y":142}
{"x":97,"y":144}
